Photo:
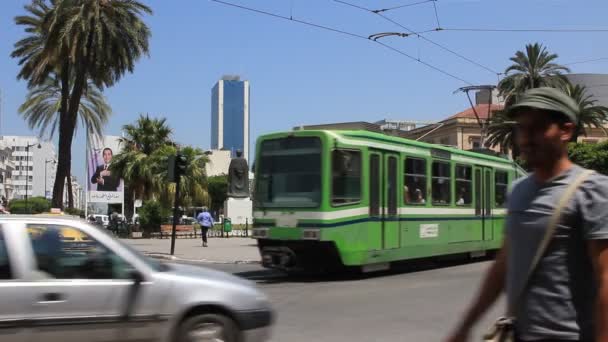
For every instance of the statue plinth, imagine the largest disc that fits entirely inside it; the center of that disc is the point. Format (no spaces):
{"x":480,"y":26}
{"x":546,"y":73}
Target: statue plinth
{"x":239,"y":210}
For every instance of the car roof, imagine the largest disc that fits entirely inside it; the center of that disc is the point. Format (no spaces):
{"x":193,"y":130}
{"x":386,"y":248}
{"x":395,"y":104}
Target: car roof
{"x":41,"y":217}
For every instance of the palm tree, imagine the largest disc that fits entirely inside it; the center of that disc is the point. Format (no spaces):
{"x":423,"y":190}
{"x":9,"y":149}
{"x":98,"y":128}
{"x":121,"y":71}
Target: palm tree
{"x":81,"y":41}
{"x":43,"y":101}
{"x":139,"y":161}
{"x":193,"y":184}
{"x":42,"y":105}
{"x":532,"y":69}
{"x":501,"y":132}
{"x":589,"y":114}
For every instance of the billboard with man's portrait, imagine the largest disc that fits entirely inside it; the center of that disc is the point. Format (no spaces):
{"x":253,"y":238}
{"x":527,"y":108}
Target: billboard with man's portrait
{"x":103,"y":184}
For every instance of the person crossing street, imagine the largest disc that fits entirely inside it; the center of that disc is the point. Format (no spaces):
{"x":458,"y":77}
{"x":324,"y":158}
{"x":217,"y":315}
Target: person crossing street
{"x":206,"y":221}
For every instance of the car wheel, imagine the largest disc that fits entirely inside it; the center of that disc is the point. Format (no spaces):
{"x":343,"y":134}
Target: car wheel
{"x":208,"y":328}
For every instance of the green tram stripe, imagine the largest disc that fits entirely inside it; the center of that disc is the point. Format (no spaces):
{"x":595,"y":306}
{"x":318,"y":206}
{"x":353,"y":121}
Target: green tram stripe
{"x":395,"y":219}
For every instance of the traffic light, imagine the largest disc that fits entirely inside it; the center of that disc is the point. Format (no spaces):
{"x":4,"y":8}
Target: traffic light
{"x":181,"y":163}
{"x":176,"y":167}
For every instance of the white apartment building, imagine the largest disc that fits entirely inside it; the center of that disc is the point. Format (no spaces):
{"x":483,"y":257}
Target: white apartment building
{"x":34,"y":165}
{"x":77,"y":192}
{"x":6,"y":172}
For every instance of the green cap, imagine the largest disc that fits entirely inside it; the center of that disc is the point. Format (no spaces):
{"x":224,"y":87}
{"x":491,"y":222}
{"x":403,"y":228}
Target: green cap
{"x":546,"y":98}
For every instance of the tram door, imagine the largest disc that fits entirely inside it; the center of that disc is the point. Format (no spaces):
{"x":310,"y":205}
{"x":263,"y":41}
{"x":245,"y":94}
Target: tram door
{"x":383,"y":197}
{"x":483,"y":200}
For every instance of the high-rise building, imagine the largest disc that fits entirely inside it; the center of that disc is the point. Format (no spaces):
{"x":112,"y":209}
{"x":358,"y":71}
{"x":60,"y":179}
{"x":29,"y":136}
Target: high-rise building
{"x":230,"y":115}
{"x":34,"y":165}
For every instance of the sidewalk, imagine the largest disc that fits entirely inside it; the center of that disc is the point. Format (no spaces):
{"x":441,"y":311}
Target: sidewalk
{"x":220,"y":250}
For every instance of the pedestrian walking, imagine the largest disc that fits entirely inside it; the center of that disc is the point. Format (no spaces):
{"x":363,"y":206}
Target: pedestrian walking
{"x":206,"y":221}
{"x":553,"y":264}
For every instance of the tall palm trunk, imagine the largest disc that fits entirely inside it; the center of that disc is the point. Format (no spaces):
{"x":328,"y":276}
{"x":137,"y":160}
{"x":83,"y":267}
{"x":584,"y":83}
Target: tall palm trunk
{"x":67,"y":124}
{"x":66,"y":134}
{"x":70,"y":192}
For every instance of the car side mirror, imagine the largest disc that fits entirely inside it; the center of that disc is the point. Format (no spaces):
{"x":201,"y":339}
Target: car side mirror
{"x":136,"y":276}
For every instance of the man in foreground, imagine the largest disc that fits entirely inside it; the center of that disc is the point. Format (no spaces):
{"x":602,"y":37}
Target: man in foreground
{"x":567,"y":295}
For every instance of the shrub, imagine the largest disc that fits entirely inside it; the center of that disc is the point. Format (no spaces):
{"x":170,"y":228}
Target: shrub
{"x":35,"y":205}
{"x":151,"y":216}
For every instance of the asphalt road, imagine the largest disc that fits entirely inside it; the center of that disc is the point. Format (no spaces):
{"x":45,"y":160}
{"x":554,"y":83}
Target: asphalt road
{"x":418,"y":302}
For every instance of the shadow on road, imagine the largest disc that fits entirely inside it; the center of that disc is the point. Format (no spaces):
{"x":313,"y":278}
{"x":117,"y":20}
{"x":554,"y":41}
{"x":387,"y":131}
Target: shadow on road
{"x":268,"y":276}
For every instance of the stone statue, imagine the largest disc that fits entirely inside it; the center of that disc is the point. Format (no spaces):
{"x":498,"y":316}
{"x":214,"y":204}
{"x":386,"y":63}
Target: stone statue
{"x":238,"y":177}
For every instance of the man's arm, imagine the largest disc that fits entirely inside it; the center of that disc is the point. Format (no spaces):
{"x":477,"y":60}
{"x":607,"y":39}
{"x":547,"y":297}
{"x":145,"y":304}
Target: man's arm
{"x":491,"y":288}
{"x":95,"y":176}
{"x":599,"y":257}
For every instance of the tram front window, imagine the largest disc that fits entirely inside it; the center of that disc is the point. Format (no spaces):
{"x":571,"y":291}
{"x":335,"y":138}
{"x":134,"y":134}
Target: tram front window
{"x":289,"y":173}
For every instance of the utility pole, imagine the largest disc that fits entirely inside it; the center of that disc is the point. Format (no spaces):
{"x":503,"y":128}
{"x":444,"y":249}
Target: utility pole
{"x":483,"y":124}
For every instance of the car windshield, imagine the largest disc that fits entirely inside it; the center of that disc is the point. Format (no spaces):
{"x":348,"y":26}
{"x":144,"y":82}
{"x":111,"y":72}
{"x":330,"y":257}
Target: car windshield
{"x":289,"y":173}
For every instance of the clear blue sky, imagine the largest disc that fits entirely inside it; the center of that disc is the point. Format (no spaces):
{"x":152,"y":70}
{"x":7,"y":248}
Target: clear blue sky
{"x":304,"y":75}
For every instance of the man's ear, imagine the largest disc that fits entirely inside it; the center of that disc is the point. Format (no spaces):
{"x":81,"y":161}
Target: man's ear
{"x":568,"y":131}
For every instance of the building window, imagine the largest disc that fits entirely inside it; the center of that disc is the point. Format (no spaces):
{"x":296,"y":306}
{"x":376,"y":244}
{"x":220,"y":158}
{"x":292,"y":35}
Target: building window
{"x":475,"y":142}
{"x":414,"y":191}
{"x":346,"y":177}
{"x":463,"y":185}
{"x":501,"y":182}
{"x":440,"y":185}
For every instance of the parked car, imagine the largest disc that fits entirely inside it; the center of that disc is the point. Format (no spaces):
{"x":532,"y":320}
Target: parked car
{"x":62,"y":279}
{"x":102,"y":219}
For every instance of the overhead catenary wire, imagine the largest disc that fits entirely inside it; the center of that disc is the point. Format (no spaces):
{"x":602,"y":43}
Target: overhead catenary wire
{"x":436,"y":14}
{"x":402,"y":6}
{"x":423,"y":37}
{"x":587,"y":61}
{"x":354,"y":35}
{"x":549,"y":30}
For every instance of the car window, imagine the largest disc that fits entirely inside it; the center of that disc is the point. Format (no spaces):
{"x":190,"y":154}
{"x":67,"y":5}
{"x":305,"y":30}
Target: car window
{"x":65,"y":252}
{"x":5,"y":266}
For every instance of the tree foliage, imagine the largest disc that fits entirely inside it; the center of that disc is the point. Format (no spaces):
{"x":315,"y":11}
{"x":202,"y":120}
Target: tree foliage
{"x":218,"y":189}
{"x":533,"y":68}
{"x":589,"y":113}
{"x":590,"y":156}
{"x":78,"y":43}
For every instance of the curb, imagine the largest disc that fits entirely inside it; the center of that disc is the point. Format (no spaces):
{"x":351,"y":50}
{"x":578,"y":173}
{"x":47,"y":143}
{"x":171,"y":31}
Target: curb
{"x":204,"y":261}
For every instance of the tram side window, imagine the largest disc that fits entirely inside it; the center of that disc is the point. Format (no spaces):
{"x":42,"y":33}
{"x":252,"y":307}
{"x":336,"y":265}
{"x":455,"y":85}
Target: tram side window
{"x":501,"y":183}
{"x":440,"y":184}
{"x":464,"y":185}
{"x":346,"y":177}
{"x":414,"y":191}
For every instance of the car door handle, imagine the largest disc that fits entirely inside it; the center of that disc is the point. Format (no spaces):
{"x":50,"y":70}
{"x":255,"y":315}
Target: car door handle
{"x":51,"y":297}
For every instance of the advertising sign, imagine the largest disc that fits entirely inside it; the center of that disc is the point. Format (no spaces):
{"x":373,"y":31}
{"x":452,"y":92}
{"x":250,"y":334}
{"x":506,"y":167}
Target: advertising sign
{"x":103,"y":184}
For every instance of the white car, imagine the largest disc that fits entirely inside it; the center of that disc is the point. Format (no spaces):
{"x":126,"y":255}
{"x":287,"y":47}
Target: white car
{"x":62,"y":279}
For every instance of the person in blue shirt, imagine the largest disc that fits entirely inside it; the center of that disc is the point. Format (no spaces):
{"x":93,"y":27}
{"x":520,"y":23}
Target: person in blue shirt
{"x":206,"y":221}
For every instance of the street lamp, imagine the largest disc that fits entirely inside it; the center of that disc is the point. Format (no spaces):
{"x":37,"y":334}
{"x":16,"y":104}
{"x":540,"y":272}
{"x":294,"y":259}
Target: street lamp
{"x":46,"y":162}
{"x":27,"y":171}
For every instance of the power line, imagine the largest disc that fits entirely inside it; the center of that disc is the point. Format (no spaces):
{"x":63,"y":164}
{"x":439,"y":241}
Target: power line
{"x":588,"y":61}
{"x":524,"y":30}
{"x":423,"y":37}
{"x":436,"y":15}
{"x":402,"y":6}
{"x":344,"y":33}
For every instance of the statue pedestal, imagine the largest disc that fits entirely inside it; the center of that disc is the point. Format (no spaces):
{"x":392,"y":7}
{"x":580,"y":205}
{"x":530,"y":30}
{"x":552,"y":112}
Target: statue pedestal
{"x":239,"y":210}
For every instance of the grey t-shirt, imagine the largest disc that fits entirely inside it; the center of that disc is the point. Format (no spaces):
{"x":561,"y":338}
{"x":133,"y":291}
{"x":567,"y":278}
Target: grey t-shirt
{"x":559,"y":301}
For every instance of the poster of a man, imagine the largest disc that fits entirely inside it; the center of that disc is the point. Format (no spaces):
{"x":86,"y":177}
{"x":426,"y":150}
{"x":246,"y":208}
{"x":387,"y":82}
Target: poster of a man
{"x":103,"y":177}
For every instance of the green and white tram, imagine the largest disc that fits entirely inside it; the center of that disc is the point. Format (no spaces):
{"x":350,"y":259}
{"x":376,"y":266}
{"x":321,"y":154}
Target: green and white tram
{"x":326,"y":199}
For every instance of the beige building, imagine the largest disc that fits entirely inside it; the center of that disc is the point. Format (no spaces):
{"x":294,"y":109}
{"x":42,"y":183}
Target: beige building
{"x":463,"y":130}
{"x":460,"y":130}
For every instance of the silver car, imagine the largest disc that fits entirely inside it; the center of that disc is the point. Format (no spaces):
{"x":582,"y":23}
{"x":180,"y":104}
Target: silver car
{"x":62,"y":279}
